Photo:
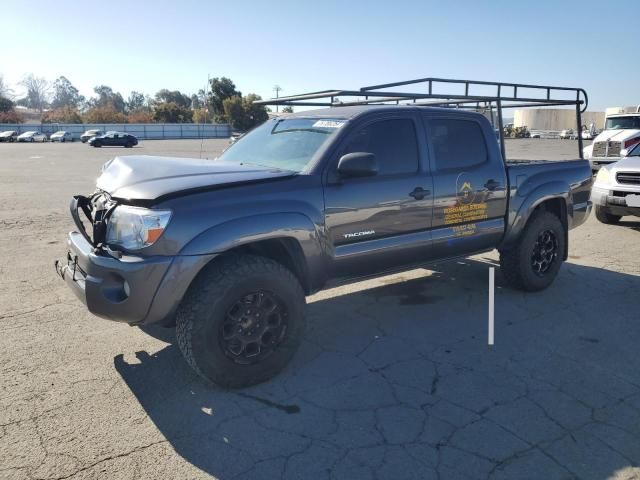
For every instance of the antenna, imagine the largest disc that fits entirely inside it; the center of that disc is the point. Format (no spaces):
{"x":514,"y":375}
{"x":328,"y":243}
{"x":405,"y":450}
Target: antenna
{"x":277,"y":89}
{"x":206,"y":111}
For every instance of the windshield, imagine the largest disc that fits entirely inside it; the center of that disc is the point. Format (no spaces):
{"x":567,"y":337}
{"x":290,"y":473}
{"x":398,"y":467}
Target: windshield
{"x":623,"y":123}
{"x":60,"y":132}
{"x":286,"y":144}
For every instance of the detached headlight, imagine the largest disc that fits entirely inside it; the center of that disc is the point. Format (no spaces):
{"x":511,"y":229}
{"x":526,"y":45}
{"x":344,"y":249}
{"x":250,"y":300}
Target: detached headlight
{"x":133,"y":228}
{"x":603,"y":178}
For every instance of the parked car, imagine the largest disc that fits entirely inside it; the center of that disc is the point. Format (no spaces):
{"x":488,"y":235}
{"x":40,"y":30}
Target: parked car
{"x":621,"y":133}
{"x":61,"y":136}
{"x":616,"y":191}
{"x":229,"y":248}
{"x":114,"y":139}
{"x":567,"y":134}
{"x":32,"y":136}
{"x":89,"y":134}
{"x":586,"y":135}
{"x":8,"y":136}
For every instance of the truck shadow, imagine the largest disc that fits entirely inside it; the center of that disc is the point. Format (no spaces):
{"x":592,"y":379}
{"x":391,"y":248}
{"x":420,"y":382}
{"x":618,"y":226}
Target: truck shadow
{"x":394,"y":377}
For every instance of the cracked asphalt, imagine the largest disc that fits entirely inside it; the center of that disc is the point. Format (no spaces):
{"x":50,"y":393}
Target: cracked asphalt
{"x":394,"y":379}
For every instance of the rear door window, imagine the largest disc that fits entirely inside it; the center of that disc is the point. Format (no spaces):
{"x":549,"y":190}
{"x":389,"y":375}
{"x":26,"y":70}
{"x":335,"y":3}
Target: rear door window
{"x":457,"y":144}
{"x":393,"y":142}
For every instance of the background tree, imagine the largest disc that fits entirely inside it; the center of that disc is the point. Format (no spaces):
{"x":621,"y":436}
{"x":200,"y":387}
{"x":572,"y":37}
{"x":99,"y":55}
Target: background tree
{"x":6,"y":105}
{"x":234,"y":113}
{"x":137,"y":102}
{"x":66,"y":114}
{"x":173,"y":96}
{"x":221,"y":89}
{"x":65,"y":94}
{"x":243,"y":114}
{"x":8,"y":113}
{"x":287,"y":109}
{"x":172,"y":113}
{"x":37,"y":91}
{"x":5,"y":91}
{"x":257,"y":114}
{"x":107,"y":98}
{"x":104,"y":115}
{"x":141,"y":116}
{"x":199,"y":116}
{"x":11,"y":117}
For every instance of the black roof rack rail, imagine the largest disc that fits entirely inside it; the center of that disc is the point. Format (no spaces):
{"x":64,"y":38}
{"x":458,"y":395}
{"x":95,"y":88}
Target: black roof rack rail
{"x":505,"y":95}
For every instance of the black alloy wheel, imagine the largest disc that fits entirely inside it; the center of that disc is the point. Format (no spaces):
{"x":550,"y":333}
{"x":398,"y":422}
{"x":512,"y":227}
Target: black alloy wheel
{"x":254,"y":327}
{"x":545,"y":252}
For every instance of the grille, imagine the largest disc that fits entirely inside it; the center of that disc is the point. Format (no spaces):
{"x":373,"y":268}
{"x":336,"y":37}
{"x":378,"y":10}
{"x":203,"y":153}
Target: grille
{"x":600,"y":149}
{"x":614,"y":149}
{"x":629,"y":178}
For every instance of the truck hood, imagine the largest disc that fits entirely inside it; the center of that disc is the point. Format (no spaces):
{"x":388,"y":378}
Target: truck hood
{"x":627,"y":164}
{"x":616,"y":135}
{"x":145,"y":177}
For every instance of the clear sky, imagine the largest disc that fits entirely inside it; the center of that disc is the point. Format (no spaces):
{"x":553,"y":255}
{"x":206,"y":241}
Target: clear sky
{"x":305,"y":46}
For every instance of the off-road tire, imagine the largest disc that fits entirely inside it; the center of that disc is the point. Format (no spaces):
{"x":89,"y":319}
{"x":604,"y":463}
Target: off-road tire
{"x":203,"y":310}
{"x":605,"y":217}
{"x":515,"y":262}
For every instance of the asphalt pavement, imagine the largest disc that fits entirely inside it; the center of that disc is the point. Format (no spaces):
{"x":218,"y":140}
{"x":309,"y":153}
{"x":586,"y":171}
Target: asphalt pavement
{"x":394,"y":379}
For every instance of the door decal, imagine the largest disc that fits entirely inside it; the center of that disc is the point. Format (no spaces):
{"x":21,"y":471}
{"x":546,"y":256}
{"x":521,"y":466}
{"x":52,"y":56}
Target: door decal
{"x":470,"y":205}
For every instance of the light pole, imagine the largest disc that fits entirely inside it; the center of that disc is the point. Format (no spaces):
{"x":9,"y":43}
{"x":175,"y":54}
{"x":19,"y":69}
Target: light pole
{"x":277,"y":89}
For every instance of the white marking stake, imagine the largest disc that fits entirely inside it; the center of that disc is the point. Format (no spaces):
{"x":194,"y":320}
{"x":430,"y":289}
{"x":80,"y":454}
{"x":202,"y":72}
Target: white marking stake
{"x":492,"y":275}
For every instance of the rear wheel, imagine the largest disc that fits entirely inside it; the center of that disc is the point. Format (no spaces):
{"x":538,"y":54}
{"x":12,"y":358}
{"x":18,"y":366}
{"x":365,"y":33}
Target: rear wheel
{"x":241,"y":321}
{"x":533,"y":263}
{"x":604,"y":216}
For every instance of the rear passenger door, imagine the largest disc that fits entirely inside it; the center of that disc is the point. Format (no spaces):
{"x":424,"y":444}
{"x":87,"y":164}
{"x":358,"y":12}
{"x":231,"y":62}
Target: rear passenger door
{"x":469,"y":176}
{"x":380,"y":222}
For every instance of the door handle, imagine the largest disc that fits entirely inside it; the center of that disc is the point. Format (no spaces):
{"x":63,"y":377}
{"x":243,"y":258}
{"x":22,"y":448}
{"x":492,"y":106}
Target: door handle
{"x":491,"y":185}
{"x":419,"y":193}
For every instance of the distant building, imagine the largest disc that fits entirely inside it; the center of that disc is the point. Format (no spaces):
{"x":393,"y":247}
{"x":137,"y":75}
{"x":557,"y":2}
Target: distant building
{"x":555,"y":118}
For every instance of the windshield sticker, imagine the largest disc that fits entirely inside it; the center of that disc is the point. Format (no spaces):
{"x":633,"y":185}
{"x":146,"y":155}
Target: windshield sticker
{"x":328,"y":124}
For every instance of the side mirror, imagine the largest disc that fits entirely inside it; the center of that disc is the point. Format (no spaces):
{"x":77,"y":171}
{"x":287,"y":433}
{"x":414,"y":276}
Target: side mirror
{"x":358,"y":164}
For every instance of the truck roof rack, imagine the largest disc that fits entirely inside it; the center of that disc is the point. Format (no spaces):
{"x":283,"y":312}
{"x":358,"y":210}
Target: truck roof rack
{"x":437,"y":92}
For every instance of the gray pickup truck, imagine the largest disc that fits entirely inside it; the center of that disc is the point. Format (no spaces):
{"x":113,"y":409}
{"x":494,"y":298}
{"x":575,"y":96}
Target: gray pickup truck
{"x":226,"y":250}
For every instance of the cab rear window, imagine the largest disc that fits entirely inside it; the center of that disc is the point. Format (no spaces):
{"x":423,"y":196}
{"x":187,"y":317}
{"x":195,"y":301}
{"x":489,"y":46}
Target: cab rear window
{"x":456,"y":143}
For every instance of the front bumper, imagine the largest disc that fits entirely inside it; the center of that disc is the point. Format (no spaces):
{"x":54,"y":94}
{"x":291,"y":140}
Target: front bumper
{"x":614,"y":201}
{"x":597,"y":162}
{"x":117,"y":289}
{"x":131,"y":289}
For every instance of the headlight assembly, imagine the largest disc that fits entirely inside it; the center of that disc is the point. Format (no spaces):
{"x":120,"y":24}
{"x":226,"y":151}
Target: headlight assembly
{"x":603,"y":178}
{"x":133,"y":228}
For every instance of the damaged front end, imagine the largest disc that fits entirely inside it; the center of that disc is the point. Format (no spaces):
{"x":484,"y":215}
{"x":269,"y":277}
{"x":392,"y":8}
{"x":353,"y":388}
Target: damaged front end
{"x":114,"y":284}
{"x":97,"y":209}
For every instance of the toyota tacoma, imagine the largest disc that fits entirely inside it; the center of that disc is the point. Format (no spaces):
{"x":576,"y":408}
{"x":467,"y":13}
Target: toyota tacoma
{"x":227,"y":249}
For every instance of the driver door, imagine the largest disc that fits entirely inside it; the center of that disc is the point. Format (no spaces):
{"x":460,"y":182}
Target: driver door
{"x":380,"y":222}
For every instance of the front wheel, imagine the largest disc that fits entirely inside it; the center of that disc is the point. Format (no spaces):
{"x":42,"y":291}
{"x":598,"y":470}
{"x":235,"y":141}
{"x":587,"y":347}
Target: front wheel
{"x":604,"y":216}
{"x":241,"y":321}
{"x":534,"y":261}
